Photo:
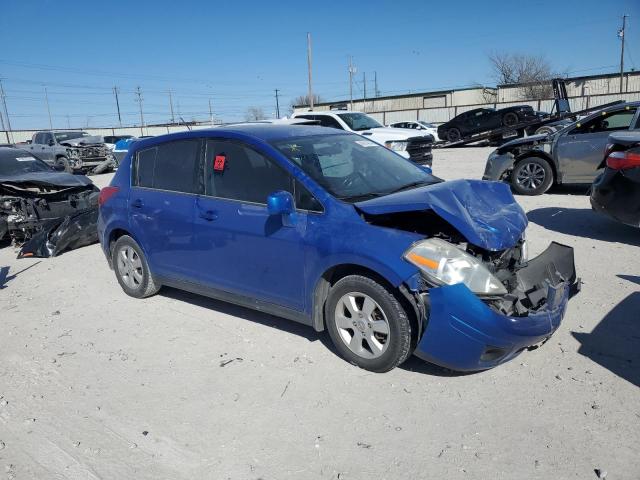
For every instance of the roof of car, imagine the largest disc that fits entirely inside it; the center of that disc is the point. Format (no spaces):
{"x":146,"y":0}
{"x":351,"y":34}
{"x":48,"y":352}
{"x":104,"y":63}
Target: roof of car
{"x":258,"y":131}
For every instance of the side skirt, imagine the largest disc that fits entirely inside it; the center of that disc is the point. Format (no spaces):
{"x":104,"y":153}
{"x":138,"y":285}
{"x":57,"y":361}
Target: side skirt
{"x":248,"y":302}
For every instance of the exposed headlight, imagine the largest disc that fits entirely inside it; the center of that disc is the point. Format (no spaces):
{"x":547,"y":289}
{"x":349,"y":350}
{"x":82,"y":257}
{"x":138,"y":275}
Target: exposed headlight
{"x":445,"y":264}
{"x":396,"y":145}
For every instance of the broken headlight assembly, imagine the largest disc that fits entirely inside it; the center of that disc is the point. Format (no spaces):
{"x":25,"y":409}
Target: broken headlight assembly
{"x":442,"y":263}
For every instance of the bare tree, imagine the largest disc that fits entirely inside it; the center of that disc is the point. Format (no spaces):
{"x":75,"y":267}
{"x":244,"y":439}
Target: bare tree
{"x":303,"y":101}
{"x":254,"y":114}
{"x":532,"y":72}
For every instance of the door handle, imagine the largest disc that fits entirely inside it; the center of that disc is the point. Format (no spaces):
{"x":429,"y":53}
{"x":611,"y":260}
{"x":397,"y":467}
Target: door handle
{"x":137,"y":203}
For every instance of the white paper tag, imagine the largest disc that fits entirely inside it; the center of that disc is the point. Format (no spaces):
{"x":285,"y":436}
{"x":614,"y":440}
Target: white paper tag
{"x":26,"y":159}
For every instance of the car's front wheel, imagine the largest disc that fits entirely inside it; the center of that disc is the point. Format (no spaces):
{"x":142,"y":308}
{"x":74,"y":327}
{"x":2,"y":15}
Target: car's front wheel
{"x":532,"y":176}
{"x":453,"y":135}
{"x":132,"y":269}
{"x":367,"y":324}
{"x":510,"y":119}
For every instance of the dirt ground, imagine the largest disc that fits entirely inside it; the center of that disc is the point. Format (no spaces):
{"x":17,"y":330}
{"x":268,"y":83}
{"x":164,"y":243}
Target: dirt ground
{"x":97,"y":385}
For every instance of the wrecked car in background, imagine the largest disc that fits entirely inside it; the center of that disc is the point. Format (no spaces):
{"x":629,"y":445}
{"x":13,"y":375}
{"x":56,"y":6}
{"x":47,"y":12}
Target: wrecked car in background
{"x":72,"y":151}
{"x":43,"y":211}
{"x":335,"y":231}
{"x":569,"y":156}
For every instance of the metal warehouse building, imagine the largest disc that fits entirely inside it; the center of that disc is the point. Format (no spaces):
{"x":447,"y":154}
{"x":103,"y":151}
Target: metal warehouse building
{"x":441,"y":106}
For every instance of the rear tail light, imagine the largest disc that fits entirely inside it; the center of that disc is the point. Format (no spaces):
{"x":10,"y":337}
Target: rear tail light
{"x":106,"y":193}
{"x":623,"y":160}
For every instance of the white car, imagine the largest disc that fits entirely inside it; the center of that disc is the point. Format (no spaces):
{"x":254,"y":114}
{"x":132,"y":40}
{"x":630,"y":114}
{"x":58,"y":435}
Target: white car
{"x":409,"y":143}
{"x":426,"y":127}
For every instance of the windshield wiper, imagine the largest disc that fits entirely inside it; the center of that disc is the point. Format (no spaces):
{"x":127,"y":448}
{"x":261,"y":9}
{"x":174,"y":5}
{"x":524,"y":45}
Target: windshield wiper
{"x":362,"y":196}
{"x":409,"y":186}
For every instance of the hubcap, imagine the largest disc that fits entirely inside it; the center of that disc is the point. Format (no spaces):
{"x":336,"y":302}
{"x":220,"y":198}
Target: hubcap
{"x":130,"y":267}
{"x":362,"y":325}
{"x":530,"y":176}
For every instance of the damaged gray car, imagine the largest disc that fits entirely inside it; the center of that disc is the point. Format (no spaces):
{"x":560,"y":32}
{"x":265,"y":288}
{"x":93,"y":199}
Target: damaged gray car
{"x":44,"y":212}
{"x":569,"y":156}
{"x":72,"y":151}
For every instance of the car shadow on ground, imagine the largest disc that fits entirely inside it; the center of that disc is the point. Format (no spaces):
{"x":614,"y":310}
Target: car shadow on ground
{"x":615,"y":342}
{"x":413,"y":364}
{"x":630,"y":278}
{"x":583,"y":222}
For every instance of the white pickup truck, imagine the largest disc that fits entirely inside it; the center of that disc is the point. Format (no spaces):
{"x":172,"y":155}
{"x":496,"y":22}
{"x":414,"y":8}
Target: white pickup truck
{"x":407,"y":142}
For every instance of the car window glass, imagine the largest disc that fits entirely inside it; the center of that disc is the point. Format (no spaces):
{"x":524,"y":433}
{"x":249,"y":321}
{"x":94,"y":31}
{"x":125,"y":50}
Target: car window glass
{"x":327,"y":121}
{"x":237,"y":172}
{"x":38,"y":138}
{"x":305,"y":199}
{"x":46,"y":138}
{"x":177,"y":166}
{"x":145,"y":164}
{"x":608,"y":122}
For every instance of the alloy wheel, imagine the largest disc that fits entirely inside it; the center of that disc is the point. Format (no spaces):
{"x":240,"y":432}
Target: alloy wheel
{"x":362,"y":325}
{"x":130,"y":267}
{"x":530,"y":176}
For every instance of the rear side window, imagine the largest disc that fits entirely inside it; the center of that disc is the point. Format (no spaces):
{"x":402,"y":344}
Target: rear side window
{"x":237,"y":172}
{"x":173,"y":166}
{"x":327,"y":121}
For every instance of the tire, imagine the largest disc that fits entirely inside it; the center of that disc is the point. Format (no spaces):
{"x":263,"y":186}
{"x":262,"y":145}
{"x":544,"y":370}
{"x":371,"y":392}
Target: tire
{"x":510,"y":119}
{"x":453,"y":135}
{"x":131,"y":269}
{"x":532,"y":176}
{"x":377,"y":341}
{"x":545,"y":131}
{"x":64,"y":162}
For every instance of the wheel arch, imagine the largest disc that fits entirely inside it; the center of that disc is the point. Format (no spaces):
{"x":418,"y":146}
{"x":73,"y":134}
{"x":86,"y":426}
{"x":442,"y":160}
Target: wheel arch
{"x":336,"y":272}
{"x":539,"y":154}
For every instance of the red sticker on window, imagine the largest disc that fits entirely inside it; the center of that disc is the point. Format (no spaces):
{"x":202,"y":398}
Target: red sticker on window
{"x":218,"y":163}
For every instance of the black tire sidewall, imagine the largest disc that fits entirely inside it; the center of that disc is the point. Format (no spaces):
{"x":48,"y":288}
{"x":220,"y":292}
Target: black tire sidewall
{"x":399,"y":325}
{"x":548,"y":179}
{"x":141,"y":291}
{"x":64,"y":161}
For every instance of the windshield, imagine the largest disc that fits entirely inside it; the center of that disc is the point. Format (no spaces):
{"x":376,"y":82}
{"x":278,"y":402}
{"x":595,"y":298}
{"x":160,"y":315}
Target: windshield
{"x":14,"y":161}
{"x":353,"y":168}
{"x":428,"y":125}
{"x":359,"y":121}
{"x":64,"y":136}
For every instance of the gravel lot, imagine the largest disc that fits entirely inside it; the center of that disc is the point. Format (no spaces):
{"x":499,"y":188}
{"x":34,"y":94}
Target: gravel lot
{"x":94,"y":384}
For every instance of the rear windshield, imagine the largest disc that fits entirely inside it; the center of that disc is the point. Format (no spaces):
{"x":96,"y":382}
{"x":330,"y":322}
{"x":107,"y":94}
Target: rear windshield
{"x":14,"y":161}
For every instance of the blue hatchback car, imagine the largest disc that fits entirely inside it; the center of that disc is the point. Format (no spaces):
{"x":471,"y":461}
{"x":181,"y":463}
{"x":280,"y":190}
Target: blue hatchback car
{"x":335,"y":231}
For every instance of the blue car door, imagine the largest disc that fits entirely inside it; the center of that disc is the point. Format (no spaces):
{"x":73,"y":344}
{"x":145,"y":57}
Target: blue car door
{"x":166,"y":179}
{"x":241,"y":248}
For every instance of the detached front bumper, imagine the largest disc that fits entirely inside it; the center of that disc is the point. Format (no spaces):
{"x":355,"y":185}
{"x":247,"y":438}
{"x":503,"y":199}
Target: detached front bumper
{"x":466,"y":334}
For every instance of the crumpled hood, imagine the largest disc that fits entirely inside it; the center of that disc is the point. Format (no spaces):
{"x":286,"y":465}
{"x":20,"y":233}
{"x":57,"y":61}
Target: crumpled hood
{"x":484,"y":212}
{"x":57,"y":179}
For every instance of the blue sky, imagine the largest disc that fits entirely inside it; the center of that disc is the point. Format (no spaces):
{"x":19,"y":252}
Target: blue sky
{"x":237,"y":53}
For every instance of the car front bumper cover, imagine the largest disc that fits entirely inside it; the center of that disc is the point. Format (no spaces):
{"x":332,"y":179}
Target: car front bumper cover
{"x":464,"y":333}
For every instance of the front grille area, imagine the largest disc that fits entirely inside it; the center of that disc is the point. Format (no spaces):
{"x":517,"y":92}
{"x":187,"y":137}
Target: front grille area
{"x":419,"y":149}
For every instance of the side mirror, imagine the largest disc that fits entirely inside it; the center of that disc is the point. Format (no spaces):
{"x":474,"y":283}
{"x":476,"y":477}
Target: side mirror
{"x":426,"y":169}
{"x":51,"y":143}
{"x":282,"y":203}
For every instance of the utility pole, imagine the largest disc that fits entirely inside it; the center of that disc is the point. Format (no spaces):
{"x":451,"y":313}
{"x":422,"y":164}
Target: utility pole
{"x":621,"y":35}
{"x":309,"y":68}
{"x":277,"y":105}
{"x":68,"y":123}
{"x":6,"y":112}
{"x":210,"y":113}
{"x":171,"y":107}
{"x":352,"y":71}
{"x":46,"y":98}
{"x":139,"y":94}
{"x":115,"y":92}
{"x":376,"y":92}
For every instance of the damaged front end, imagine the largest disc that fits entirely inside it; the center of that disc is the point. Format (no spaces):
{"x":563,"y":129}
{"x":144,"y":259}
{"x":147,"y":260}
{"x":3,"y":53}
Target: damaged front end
{"x":90,"y":155}
{"x":502,"y":160}
{"x":481,"y":300}
{"x":47,"y":214}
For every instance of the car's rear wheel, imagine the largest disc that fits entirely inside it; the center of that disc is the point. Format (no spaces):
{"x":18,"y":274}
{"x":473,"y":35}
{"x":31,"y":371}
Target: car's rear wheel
{"x":510,"y":119}
{"x":132,"y":269}
{"x":367,"y":324}
{"x":532,"y":176}
{"x":453,"y":135}
{"x":64,"y":164}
